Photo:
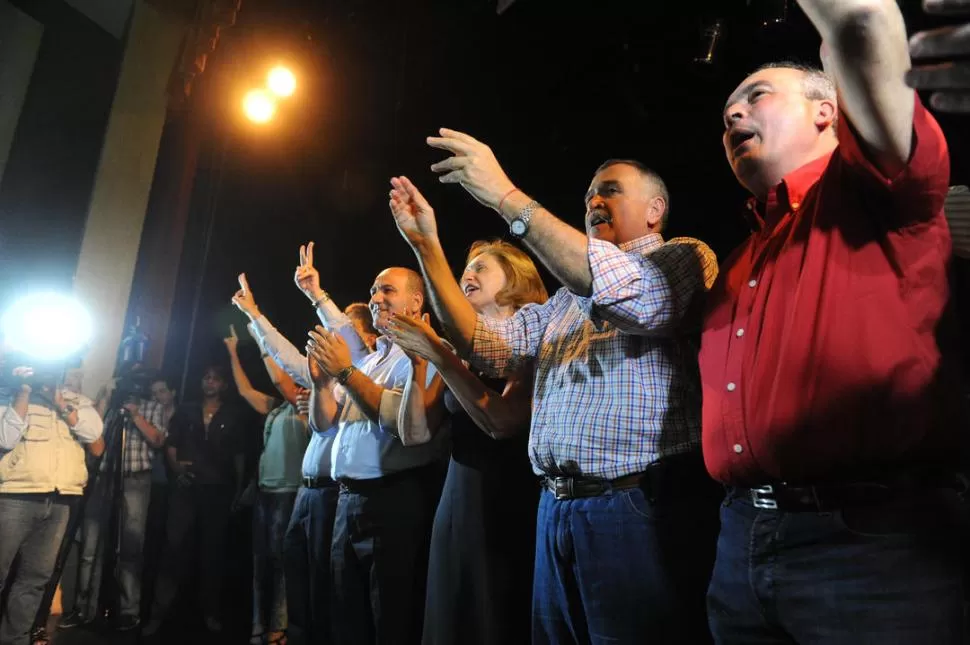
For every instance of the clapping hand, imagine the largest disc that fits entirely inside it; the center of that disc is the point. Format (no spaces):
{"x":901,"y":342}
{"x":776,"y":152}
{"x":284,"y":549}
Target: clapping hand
{"x":303,"y":398}
{"x":329,"y":350}
{"x":412,"y":213}
{"x":307,"y":278}
{"x":473,"y":165}
{"x":415,"y":337}
{"x":949,"y":80}
{"x":243,"y":299}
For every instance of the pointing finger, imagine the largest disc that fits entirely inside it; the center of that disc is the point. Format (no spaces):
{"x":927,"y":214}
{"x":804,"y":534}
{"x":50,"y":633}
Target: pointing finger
{"x":244,"y":284}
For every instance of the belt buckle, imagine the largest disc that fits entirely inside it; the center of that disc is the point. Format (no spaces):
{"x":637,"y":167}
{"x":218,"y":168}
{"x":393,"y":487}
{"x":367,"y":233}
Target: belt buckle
{"x":764,"y":497}
{"x":564,"y":488}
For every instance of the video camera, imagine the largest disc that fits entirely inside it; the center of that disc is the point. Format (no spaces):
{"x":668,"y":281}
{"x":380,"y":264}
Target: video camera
{"x":134,"y":383}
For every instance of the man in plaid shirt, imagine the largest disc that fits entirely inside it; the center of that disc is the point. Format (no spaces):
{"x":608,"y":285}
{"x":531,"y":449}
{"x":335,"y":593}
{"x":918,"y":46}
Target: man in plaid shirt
{"x":628,"y":520}
{"x":144,"y":433}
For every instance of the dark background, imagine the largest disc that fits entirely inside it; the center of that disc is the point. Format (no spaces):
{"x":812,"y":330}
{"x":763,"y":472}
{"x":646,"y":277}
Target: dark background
{"x":554,"y":87}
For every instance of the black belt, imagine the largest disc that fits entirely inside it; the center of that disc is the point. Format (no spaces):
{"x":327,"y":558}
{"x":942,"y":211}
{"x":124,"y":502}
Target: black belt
{"x":677,"y":475}
{"x":365,"y":486}
{"x":318,"y":482}
{"x":577,"y":487}
{"x":829,"y":497}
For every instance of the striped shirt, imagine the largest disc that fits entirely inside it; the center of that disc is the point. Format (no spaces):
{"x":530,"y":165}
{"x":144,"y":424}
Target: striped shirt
{"x":616,"y":377}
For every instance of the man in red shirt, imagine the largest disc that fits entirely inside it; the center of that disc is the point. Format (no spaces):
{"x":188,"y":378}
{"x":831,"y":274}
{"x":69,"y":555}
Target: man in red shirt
{"x":826,"y":400}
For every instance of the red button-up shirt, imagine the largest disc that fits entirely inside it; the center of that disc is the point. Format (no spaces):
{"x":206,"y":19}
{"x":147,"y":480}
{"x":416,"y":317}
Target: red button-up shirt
{"x":818,"y":357}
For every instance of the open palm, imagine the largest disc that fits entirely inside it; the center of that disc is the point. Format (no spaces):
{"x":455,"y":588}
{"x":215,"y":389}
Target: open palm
{"x":412,"y":212}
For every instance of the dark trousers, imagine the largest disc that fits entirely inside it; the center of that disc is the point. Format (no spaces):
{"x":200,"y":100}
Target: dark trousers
{"x":887,"y":575}
{"x":154,"y":543}
{"x":31,"y":526}
{"x":626,"y":567}
{"x":380,"y":559}
{"x":198,"y":522}
{"x":306,"y":562}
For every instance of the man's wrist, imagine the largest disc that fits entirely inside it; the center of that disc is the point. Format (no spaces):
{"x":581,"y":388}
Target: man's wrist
{"x":318,"y":298}
{"x":253,"y":313}
{"x":344,"y":374}
{"x":513,"y":205}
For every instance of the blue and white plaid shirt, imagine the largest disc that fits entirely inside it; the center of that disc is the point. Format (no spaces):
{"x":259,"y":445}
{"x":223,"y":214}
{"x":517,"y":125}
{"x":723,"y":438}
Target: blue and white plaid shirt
{"x":138,"y":454}
{"x":616,"y":378}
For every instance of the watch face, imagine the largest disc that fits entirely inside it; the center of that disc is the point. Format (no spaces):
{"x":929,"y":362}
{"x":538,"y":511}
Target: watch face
{"x":518,"y":227}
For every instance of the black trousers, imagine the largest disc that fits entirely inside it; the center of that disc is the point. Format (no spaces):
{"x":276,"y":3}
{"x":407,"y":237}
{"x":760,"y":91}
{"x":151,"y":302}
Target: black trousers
{"x":379,"y":557}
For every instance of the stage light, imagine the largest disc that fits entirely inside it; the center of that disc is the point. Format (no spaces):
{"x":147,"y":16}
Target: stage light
{"x":259,"y":106}
{"x":46,"y":326}
{"x":281,"y":82}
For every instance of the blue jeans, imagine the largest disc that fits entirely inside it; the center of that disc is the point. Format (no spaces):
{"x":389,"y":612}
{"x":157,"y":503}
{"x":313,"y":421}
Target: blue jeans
{"x":94,"y":540}
{"x":33,"y":527}
{"x":306,"y":561}
{"x":620,"y":569}
{"x":887,"y":575}
{"x":271,"y":516}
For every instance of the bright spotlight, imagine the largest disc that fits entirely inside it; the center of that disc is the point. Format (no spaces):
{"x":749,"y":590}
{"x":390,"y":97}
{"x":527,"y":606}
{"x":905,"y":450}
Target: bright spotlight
{"x":47,"y":326}
{"x":281,"y":81}
{"x":259,"y":106}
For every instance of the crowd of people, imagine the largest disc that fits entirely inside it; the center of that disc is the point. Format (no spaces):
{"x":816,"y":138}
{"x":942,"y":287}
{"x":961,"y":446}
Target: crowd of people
{"x":668,"y":449}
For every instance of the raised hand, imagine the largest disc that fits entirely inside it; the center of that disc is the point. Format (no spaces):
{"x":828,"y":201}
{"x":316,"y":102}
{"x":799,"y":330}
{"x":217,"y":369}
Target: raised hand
{"x":307,"y":278}
{"x":318,"y":376}
{"x":950,"y":79}
{"x":415,"y":337}
{"x":232,"y":340}
{"x":243,"y":299}
{"x":329,"y":350}
{"x":412,"y":212}
{"x":473,"y":165}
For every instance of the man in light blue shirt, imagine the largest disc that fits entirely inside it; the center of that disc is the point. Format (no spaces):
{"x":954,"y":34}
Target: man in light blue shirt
{"x":387,"y":490}
{"x":306,"y":544}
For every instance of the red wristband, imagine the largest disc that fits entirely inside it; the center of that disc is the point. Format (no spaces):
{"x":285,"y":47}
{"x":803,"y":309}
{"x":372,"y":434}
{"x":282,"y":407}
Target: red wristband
{"x":506,"y":196}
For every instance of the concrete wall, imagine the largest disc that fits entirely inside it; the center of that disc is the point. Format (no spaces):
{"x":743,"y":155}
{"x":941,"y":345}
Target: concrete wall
{"x":113,"y":231}
{"x":19,"y":41}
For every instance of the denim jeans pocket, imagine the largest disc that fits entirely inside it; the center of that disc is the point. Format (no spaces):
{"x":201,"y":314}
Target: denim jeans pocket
{"x":881,"y":521}
{"x":636,"y":503}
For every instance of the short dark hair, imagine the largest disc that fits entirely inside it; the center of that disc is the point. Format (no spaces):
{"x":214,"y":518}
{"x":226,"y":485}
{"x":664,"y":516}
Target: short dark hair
{"x":816,"y":84}
{"x":219,"y":370}
{"x":647,"y":173}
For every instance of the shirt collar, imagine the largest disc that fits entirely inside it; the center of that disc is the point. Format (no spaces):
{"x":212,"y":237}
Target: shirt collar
{"x":384,"y":345}
{"x":787,"y":196}
{"x":641,"y":245}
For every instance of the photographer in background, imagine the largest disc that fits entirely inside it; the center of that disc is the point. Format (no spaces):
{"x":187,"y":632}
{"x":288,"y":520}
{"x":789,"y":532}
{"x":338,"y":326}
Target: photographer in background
{"x":44,"y":431}
{"x":142,"y":424}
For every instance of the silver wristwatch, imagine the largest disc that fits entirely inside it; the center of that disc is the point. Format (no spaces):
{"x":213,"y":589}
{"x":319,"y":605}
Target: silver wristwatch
{"x":519,"y":227}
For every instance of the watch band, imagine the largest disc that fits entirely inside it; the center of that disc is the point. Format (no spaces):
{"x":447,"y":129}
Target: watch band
{"x":523,"y":219}
{"x":344,"y":375}
{"x":325,"y":297}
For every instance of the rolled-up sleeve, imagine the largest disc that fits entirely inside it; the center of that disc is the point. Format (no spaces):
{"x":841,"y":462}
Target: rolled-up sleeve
{"x":281,"y":350}
{"x":500,"y":347}
{"x":649,"y":294}
{"x":89,"y":425}
{"x":12,"y":428}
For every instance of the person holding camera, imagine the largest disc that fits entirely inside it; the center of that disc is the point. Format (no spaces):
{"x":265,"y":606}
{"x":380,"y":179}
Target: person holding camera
{"x":44,"y":432}
{"x":143,"y":429}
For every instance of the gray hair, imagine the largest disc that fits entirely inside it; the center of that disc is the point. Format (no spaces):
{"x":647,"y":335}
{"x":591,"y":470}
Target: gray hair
{"x":816,"y":84}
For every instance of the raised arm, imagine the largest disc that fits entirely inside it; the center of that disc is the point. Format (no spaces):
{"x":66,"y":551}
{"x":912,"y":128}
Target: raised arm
{"x":559,"y":246}
{"x":865,"y":50}
{"x":307,"y":278}
{"x":498,"y":414}
{"x":284,"y":384}
{"x":270,"y":340}
{"x":261,"y":403}
{"x":415,"y":220}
